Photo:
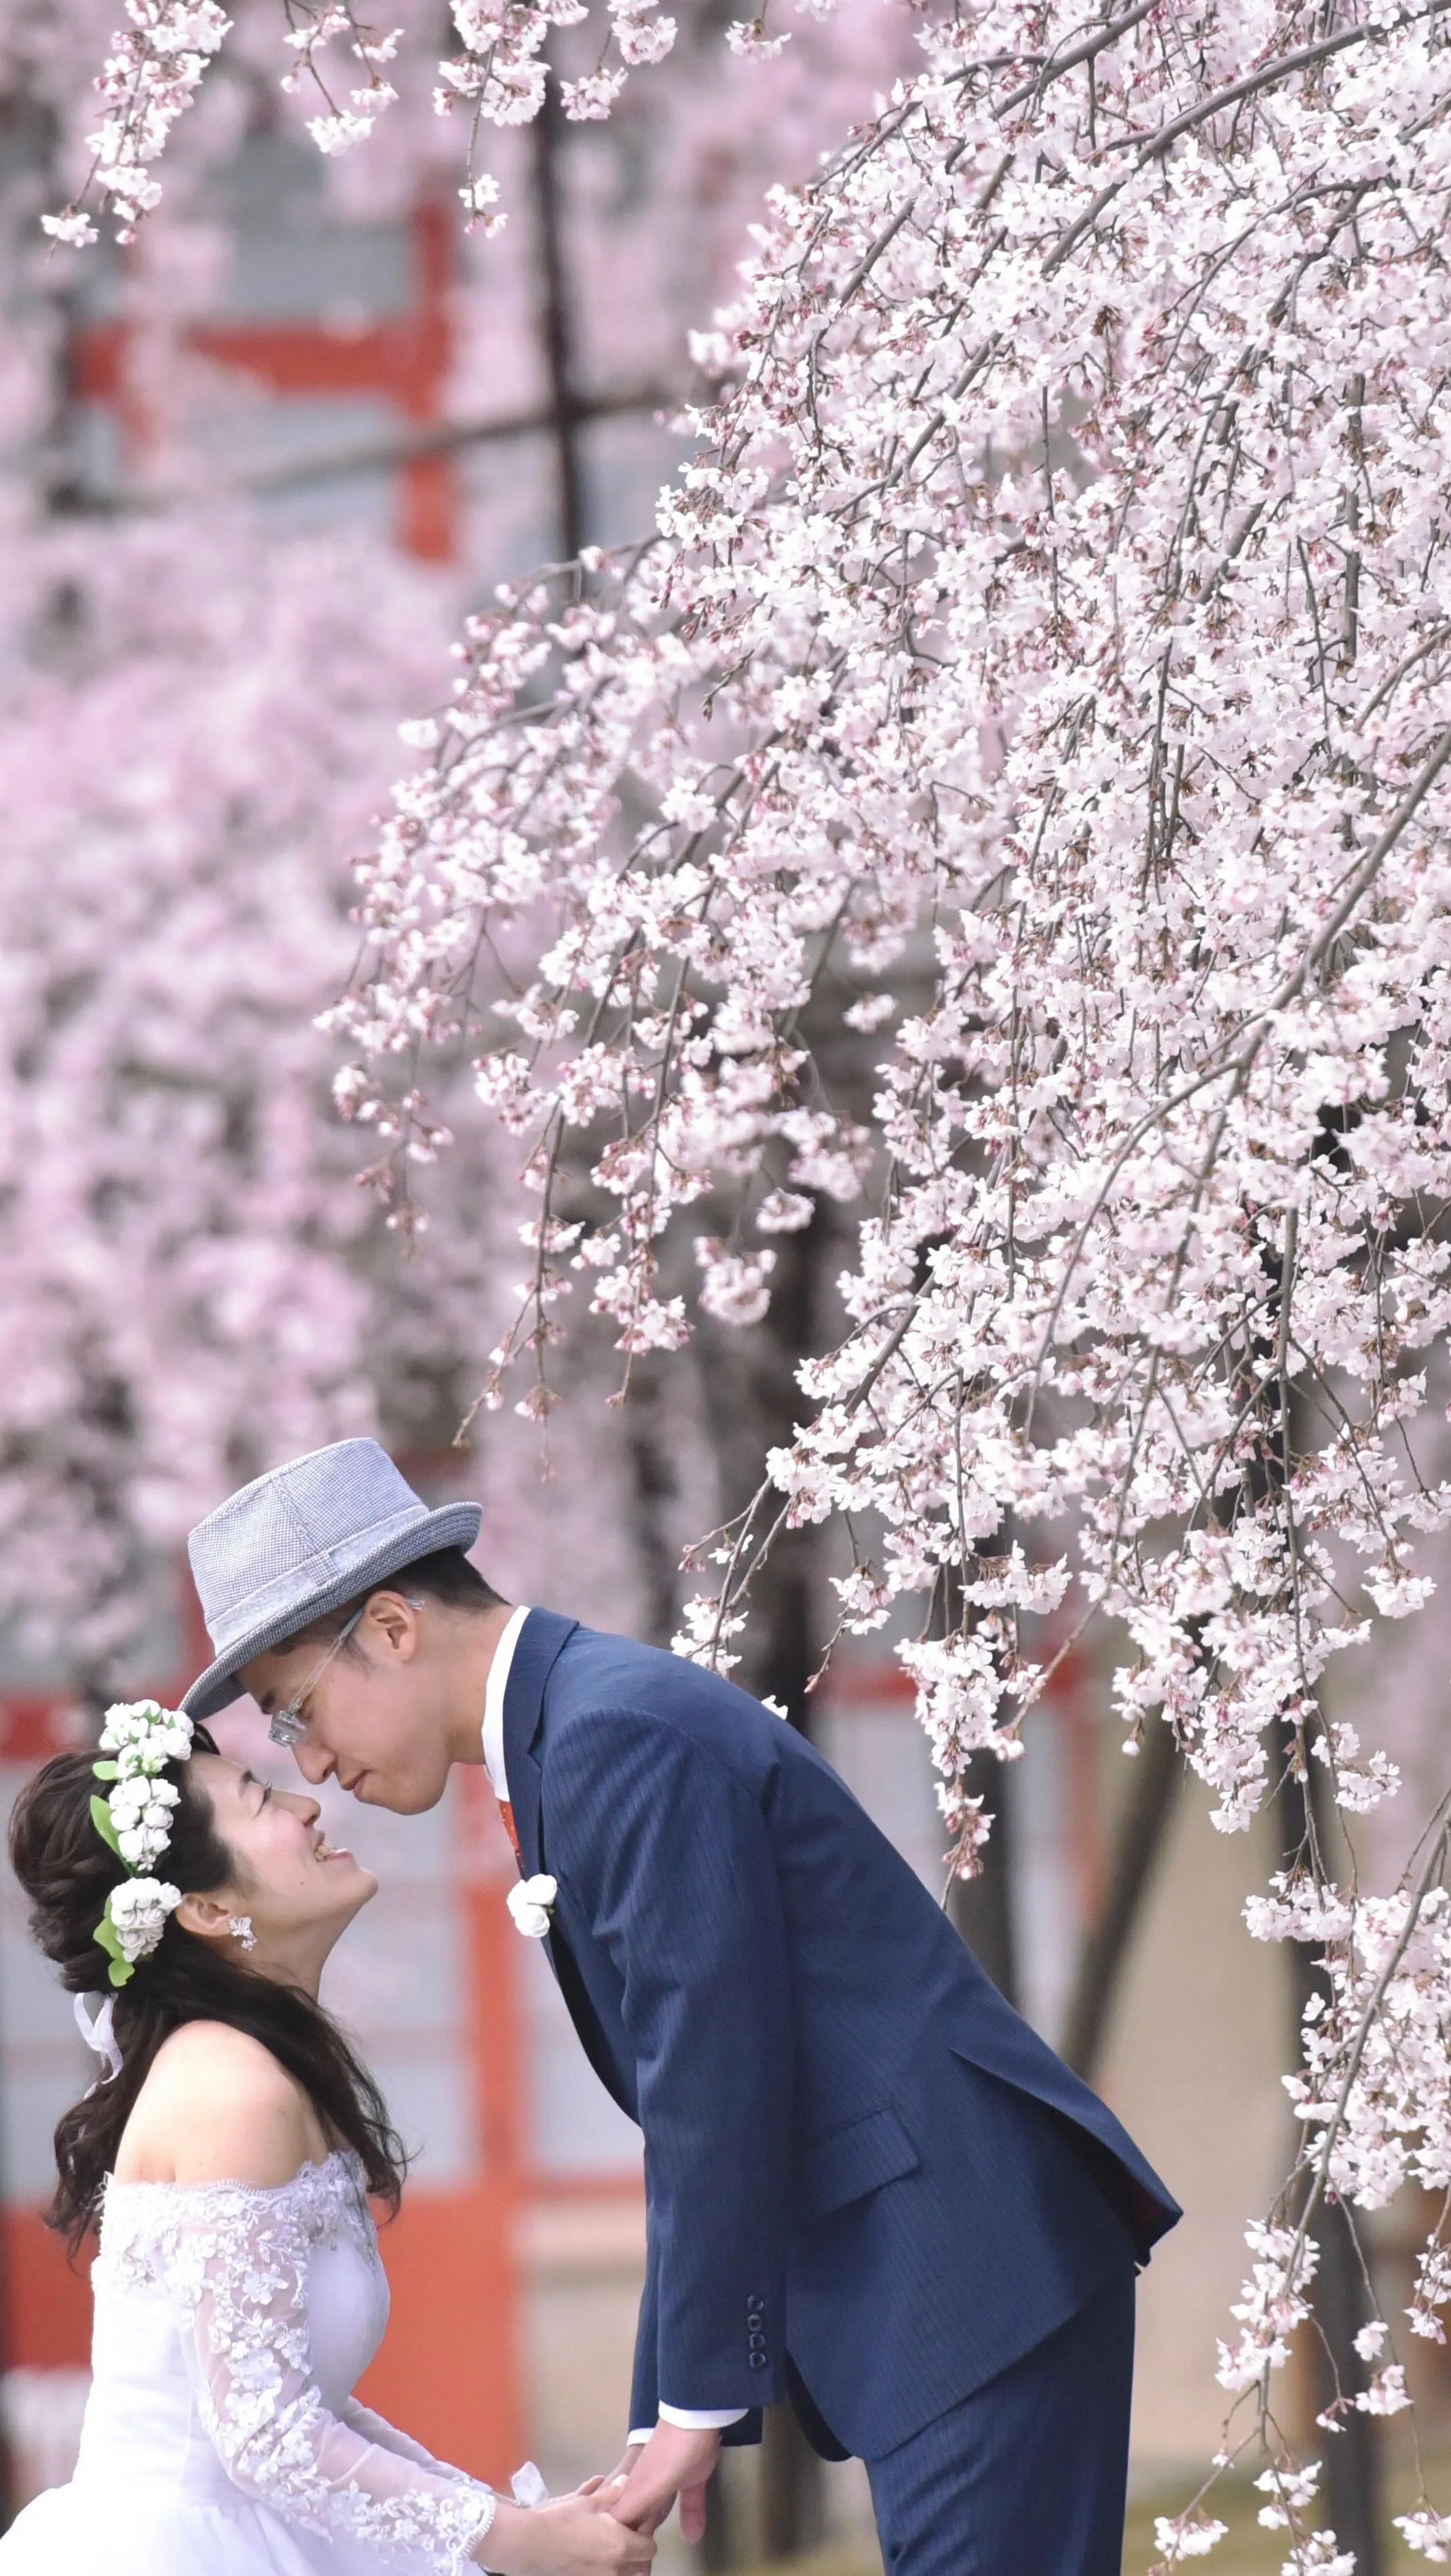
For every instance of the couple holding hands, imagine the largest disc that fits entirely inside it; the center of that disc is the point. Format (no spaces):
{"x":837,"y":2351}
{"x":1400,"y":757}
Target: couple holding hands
{"x":872,"y":2192}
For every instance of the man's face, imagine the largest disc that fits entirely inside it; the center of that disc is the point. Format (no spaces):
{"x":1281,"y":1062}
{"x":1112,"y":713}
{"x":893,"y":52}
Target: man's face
{"x":373,"y":1711}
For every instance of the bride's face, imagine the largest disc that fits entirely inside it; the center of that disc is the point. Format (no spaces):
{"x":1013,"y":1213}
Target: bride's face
{"x":298,"y":1890}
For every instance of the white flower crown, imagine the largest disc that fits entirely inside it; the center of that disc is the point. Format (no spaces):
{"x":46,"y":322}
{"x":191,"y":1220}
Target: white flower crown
{"x":134,"y":1819}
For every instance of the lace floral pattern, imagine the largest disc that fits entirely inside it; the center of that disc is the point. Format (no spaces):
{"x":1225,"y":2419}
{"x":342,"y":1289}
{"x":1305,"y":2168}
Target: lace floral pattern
{"x":234,"y":2260}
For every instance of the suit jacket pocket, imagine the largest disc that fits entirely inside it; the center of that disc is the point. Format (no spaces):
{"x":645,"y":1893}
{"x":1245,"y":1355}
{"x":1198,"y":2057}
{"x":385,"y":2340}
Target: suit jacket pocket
{"x":850,"y":2162}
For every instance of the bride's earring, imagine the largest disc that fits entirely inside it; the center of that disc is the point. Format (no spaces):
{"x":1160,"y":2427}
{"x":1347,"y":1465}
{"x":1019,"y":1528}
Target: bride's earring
{"x":240,"y":1927}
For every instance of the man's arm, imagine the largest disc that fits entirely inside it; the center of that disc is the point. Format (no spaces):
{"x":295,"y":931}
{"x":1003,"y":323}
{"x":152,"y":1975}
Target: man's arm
{"x":651,"y":2479}
{"x":644,"y":2387}
{"x":647,"y":2408}
{"x":661,"y":1850}
{"x":673,"y":2462}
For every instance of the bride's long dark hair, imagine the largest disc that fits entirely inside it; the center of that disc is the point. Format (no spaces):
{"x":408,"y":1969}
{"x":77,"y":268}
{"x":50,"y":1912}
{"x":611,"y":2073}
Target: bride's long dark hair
{"x":68,"y":1872}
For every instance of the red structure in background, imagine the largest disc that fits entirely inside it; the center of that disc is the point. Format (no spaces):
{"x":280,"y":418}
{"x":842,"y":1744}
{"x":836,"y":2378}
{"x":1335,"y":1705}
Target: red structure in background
{"x":402,"y":359}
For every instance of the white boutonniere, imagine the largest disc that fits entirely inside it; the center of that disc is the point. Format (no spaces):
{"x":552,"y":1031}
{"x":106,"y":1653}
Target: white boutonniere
{"x":531,"y":1903}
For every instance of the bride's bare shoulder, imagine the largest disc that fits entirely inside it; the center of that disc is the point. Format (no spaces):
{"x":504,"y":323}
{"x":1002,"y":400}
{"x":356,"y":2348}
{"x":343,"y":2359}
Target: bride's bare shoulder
{"x":217,"y":2107}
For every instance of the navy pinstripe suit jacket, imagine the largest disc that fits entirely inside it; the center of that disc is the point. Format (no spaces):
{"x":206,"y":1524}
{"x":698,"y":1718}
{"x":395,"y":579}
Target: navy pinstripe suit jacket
{"x":869,"y":2184}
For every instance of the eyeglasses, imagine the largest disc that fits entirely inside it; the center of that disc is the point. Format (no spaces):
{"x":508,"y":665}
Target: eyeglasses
{"x":288,"y":1726}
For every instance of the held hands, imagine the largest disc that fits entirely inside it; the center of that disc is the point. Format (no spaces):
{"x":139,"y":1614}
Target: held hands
{"x":571,"y":2535}
{"x":674,"y":2462}
{"x":606,"y":2528}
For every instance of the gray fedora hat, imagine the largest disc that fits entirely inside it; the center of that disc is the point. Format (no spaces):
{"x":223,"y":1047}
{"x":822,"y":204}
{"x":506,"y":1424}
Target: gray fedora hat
{"x":303,"y":1539}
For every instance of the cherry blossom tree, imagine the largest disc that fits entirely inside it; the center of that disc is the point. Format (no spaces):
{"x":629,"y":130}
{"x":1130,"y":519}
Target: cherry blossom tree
{"x":1057,"y":614}
{"x":197,"y":723}
{"x":185,"y":1276}
{"x":1041,"y":670}
{"x":196,"y":729}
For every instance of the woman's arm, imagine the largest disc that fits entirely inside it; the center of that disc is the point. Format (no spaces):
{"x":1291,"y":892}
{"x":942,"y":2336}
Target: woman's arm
{"x":240,"y":2272}
{"x":228,"y":2124}
{"x":377,"y":2429}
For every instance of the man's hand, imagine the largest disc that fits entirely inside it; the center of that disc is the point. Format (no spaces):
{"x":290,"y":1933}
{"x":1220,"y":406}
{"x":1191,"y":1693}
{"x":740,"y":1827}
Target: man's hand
{"x":674,"y":2462}
{"x":616,"y":2477}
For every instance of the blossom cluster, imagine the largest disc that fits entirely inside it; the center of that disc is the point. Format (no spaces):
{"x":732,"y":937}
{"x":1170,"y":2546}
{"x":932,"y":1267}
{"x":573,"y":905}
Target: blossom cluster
{"x":1374,"y":2095}
{"x":497,"y":71}
{"x":146,"y":82}
{"x":1186,"y":2535}
{"x":1373,"y":2100}
{"x":341,"y":126}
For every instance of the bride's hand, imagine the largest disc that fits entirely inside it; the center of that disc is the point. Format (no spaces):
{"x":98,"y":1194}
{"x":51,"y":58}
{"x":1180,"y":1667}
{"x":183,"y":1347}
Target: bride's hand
{"x":572,"y":2535}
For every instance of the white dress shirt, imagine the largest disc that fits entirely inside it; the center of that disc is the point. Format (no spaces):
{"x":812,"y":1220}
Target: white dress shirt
{"x":703,"y":2419}
{"x":494,"y":1689}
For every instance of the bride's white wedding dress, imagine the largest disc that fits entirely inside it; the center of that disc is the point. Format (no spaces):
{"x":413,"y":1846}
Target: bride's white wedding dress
{"x":221,"y":2436}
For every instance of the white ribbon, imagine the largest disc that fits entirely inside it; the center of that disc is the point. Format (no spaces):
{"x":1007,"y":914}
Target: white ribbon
{"x":100,"y":2035}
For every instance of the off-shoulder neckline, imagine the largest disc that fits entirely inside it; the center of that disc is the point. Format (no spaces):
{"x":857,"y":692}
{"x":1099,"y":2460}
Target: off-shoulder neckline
{"x":314,"y":2170}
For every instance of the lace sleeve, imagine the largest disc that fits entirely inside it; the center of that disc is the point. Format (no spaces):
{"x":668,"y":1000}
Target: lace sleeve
{"x":377,"y":2429}
{"x":241,"y":2270}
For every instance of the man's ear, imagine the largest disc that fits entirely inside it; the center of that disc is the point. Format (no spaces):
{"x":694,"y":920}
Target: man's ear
{"x":393,"y":1616}
{"x":209,"y":1917}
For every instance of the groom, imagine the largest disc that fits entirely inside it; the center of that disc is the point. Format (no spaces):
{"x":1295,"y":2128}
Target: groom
{"x":871,"y":2189}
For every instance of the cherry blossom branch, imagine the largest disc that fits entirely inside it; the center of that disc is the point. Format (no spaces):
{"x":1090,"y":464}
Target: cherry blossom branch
{"x":146,"y":83}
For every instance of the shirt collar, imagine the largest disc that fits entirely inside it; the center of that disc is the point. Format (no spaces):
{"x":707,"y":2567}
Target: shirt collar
{"x":494,"y":1689}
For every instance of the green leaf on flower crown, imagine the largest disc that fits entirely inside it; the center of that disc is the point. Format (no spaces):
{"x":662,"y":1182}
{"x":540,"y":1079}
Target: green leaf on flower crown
{"x":122,"y":1971}
{"x":101,"y":1819}
{"x":106,"y":1770}
{"x":105,"y":1933}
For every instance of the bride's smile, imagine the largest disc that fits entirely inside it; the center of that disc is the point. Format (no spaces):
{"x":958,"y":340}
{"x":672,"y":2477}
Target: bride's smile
{"x":296,"y":1891}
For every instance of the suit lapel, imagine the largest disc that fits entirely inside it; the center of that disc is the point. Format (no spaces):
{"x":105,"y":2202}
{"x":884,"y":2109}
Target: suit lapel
{"x":539,"y":1642}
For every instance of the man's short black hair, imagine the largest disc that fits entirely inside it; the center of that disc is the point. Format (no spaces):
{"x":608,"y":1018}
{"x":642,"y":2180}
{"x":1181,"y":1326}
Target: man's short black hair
{"x":445,"y":1576}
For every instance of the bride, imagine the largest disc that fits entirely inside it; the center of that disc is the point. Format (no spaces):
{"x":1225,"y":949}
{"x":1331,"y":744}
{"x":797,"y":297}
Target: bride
{"x":226,"y":2156}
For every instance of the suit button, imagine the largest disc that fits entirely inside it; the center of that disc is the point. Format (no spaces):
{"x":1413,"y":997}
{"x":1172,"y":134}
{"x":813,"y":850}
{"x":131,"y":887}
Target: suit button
{"x":758,"y":2361}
